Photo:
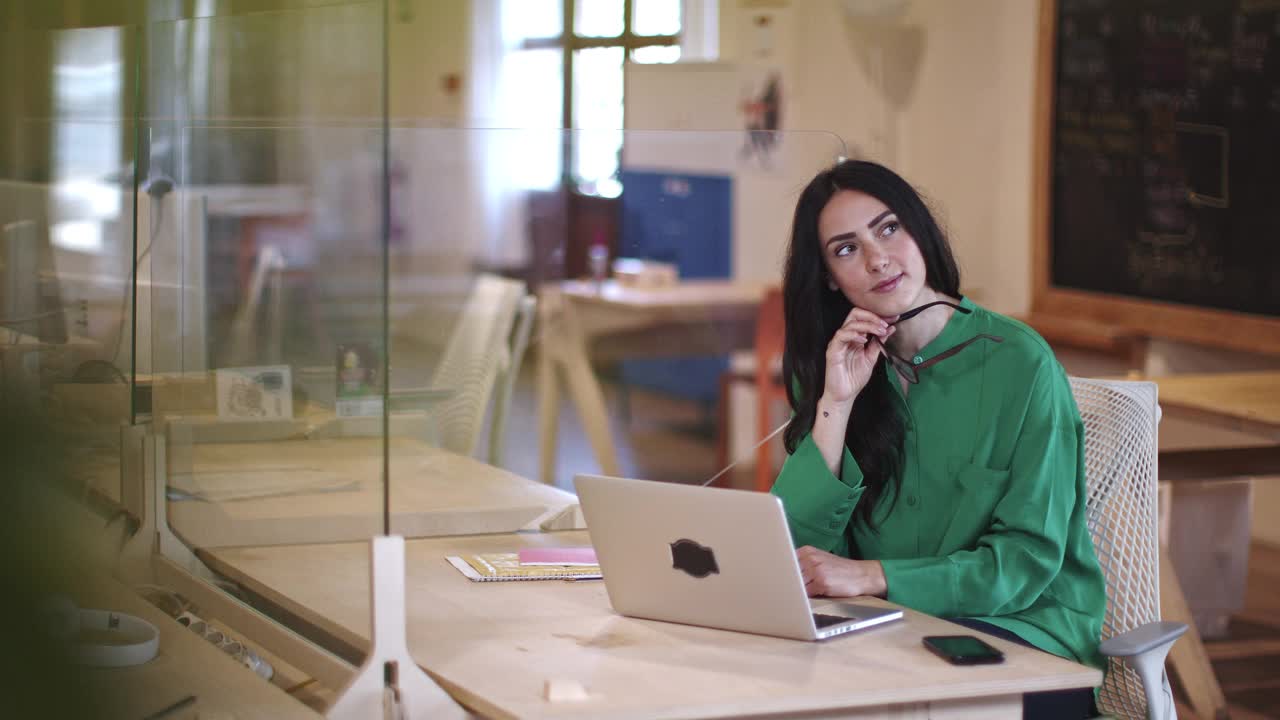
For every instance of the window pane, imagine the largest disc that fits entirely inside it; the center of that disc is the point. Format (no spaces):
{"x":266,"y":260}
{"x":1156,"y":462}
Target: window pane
{"x":655,"y":17}
{"x":529,"y":95}
{"x":598,"y":18}
{"x":87,"y":78}
{"x":597,"y":111}
{"x":532,"y":19}
{"x":656,"y":54}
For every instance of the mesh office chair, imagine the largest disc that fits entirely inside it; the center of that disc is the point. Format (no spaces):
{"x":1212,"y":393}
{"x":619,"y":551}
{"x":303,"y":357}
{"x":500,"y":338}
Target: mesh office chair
{"x":1120,"y":419}
{"x":482,"y":354}
{"x":506,"y":386}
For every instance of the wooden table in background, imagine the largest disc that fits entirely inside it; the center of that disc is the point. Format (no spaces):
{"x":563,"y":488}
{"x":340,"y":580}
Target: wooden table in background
{"x":494,"y":645}
{"x":580,"y":322}
{"x":1242,"y":402}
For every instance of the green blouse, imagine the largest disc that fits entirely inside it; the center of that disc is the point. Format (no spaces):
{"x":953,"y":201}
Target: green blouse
{"x":989,"y":518}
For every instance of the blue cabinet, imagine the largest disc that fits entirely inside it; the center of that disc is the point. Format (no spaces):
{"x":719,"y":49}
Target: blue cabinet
{"x":686,"y":220}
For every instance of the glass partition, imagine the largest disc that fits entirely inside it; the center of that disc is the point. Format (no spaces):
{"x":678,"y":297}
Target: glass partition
{"x":284,"y":354}
{"x":522,"y":332}
{"x":66,"y":327}
{"x":67,"y":344}
{"x":268,"y":319}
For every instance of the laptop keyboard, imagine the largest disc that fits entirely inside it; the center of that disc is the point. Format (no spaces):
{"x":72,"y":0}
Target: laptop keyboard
{"x":823,"y":620}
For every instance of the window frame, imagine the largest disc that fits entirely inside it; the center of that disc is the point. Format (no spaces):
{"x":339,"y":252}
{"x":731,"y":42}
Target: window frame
{"x":569,"y":41}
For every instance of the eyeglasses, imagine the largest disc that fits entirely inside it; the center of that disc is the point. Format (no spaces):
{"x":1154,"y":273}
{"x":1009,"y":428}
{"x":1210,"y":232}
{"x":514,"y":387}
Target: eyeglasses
{"x":911,"y":371}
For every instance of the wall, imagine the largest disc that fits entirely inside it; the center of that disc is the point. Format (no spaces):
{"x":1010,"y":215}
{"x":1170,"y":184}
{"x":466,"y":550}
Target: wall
{"x":941,"y":91}
{"x":429,"y":41}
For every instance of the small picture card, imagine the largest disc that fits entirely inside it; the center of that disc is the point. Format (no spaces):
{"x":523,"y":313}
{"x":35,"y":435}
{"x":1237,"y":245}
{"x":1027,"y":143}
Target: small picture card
{"x":359,"y":373}
{"x":254,"y":393}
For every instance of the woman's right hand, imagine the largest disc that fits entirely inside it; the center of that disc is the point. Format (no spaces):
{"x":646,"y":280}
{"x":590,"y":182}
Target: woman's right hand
{"x":852,"y":355}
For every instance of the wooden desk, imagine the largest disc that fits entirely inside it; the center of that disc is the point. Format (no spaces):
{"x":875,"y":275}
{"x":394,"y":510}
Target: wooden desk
{"x":1248,"y":402}
{"x":186,"y":665}
{"x":494,"y":645}
{"x":1242,"y":402}
{"x":433,"y":492}
{"x":580,"y":322}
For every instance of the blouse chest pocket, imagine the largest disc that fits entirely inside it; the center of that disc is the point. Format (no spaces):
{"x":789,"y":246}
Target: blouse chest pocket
{"x":979,"y":489}
{"x":974,"y":477}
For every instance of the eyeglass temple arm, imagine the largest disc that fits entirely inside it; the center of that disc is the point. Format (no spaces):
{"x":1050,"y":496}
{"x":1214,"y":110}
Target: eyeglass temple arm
{"x":948,"y":353}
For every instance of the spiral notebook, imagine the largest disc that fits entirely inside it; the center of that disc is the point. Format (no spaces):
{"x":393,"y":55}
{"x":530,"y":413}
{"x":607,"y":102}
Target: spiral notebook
{"x":496,"y":567}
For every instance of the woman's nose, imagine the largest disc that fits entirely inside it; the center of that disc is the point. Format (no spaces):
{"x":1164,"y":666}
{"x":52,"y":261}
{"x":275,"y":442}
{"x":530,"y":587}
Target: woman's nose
{"x":876,"y":261}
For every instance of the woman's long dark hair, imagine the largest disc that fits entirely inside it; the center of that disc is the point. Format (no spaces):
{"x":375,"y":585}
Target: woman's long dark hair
{"x":814,"y":312}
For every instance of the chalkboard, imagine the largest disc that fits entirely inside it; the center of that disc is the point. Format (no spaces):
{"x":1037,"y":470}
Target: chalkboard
{"x":1163,"y":159}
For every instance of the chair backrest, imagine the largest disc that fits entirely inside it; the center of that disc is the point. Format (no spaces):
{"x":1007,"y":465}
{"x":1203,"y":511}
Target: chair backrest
{"x":476,"y":356}
{"x":1120,"y":433}
{"x":507,"y":380}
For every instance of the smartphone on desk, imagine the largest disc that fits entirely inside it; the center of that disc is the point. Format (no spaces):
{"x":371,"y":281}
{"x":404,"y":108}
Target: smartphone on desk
{"x":963,"y":650}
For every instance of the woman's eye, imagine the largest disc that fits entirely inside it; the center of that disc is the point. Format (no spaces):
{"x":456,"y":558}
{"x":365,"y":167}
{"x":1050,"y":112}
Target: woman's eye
{"x":888,"y":229}
{"x":844,"y":250}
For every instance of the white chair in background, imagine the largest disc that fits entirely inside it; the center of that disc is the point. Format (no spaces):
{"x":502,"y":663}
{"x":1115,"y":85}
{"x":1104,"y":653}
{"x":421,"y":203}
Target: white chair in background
{"x":502,"y":402}
{"x":473,"y":378}
{"x":1120,"y":432}
{"x":482,"y":355}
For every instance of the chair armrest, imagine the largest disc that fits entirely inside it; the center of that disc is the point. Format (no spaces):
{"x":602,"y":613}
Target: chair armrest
{"x":1144,"y":649}
{"x":1142,"y":639}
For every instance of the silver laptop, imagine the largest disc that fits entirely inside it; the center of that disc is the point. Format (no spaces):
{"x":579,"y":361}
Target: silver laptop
{"x":707,"y":556}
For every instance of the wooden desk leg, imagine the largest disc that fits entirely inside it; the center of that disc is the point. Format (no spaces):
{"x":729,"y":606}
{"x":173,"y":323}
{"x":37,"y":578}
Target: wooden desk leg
{"x":548,"y":413}
{"x":585,"y":389}
{"x":1188,"y":658}
{"x":589,"y":399}
{"x":550,"y":337}
{"x":562,"y":348}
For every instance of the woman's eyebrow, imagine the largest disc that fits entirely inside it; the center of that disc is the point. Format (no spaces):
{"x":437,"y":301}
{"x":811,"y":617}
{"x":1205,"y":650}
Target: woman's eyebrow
{"x":852,"y":235}
{"x":842,"y":236}
{"x":876,"y":221}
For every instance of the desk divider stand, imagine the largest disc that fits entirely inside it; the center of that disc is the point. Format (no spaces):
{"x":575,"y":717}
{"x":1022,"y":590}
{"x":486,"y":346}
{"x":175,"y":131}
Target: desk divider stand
{"x":154,"y":555}
{"x":143,"y":469}
{"x":389,"y":684}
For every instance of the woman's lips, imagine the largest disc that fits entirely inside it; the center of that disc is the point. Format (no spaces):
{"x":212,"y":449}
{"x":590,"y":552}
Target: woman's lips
{"x":888,"y":285}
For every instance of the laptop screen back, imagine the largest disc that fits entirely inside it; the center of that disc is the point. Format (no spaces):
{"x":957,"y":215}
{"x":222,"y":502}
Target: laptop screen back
{"x":696,"y":555}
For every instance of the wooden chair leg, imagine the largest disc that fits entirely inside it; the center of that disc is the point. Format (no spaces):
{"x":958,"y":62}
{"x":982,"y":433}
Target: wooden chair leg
{"x":764,"y":453}
{"x":722,"y":424}
{"x":1188,"y":658}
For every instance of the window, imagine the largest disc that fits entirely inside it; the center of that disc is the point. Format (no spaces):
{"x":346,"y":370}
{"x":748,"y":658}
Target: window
{"x":604,"y":35}
{"x":87,"y":83}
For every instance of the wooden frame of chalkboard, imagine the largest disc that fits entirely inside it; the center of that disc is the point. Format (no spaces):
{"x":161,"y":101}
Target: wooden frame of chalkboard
{"x":1152,"y":317}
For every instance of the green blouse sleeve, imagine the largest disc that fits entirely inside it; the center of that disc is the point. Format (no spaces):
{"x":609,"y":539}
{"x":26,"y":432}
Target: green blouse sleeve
{"x":1023,"y":548}
{"x":818,"y":504}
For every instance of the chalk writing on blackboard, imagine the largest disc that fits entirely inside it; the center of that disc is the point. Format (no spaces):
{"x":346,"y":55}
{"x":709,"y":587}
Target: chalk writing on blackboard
{"x":1165,"y":129}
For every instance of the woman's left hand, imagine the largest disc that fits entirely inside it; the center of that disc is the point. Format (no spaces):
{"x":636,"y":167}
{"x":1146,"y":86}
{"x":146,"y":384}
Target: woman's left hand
{"x":830,"y":575}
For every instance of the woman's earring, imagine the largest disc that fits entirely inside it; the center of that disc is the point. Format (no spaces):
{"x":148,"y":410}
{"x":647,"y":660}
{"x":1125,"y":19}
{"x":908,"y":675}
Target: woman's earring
{"x":831,"y":285}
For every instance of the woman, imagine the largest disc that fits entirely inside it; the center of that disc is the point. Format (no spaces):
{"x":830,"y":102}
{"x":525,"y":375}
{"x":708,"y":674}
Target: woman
{"x":948,"y":476}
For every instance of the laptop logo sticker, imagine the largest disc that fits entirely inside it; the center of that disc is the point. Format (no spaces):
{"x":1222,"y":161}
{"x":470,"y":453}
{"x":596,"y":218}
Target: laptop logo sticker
{"x":693,"y":558}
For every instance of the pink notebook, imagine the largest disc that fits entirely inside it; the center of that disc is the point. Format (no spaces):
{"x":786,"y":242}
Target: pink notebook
{"x":558,"y":556}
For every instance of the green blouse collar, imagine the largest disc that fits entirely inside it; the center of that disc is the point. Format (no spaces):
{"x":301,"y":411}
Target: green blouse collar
{"x":958,"y":329}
